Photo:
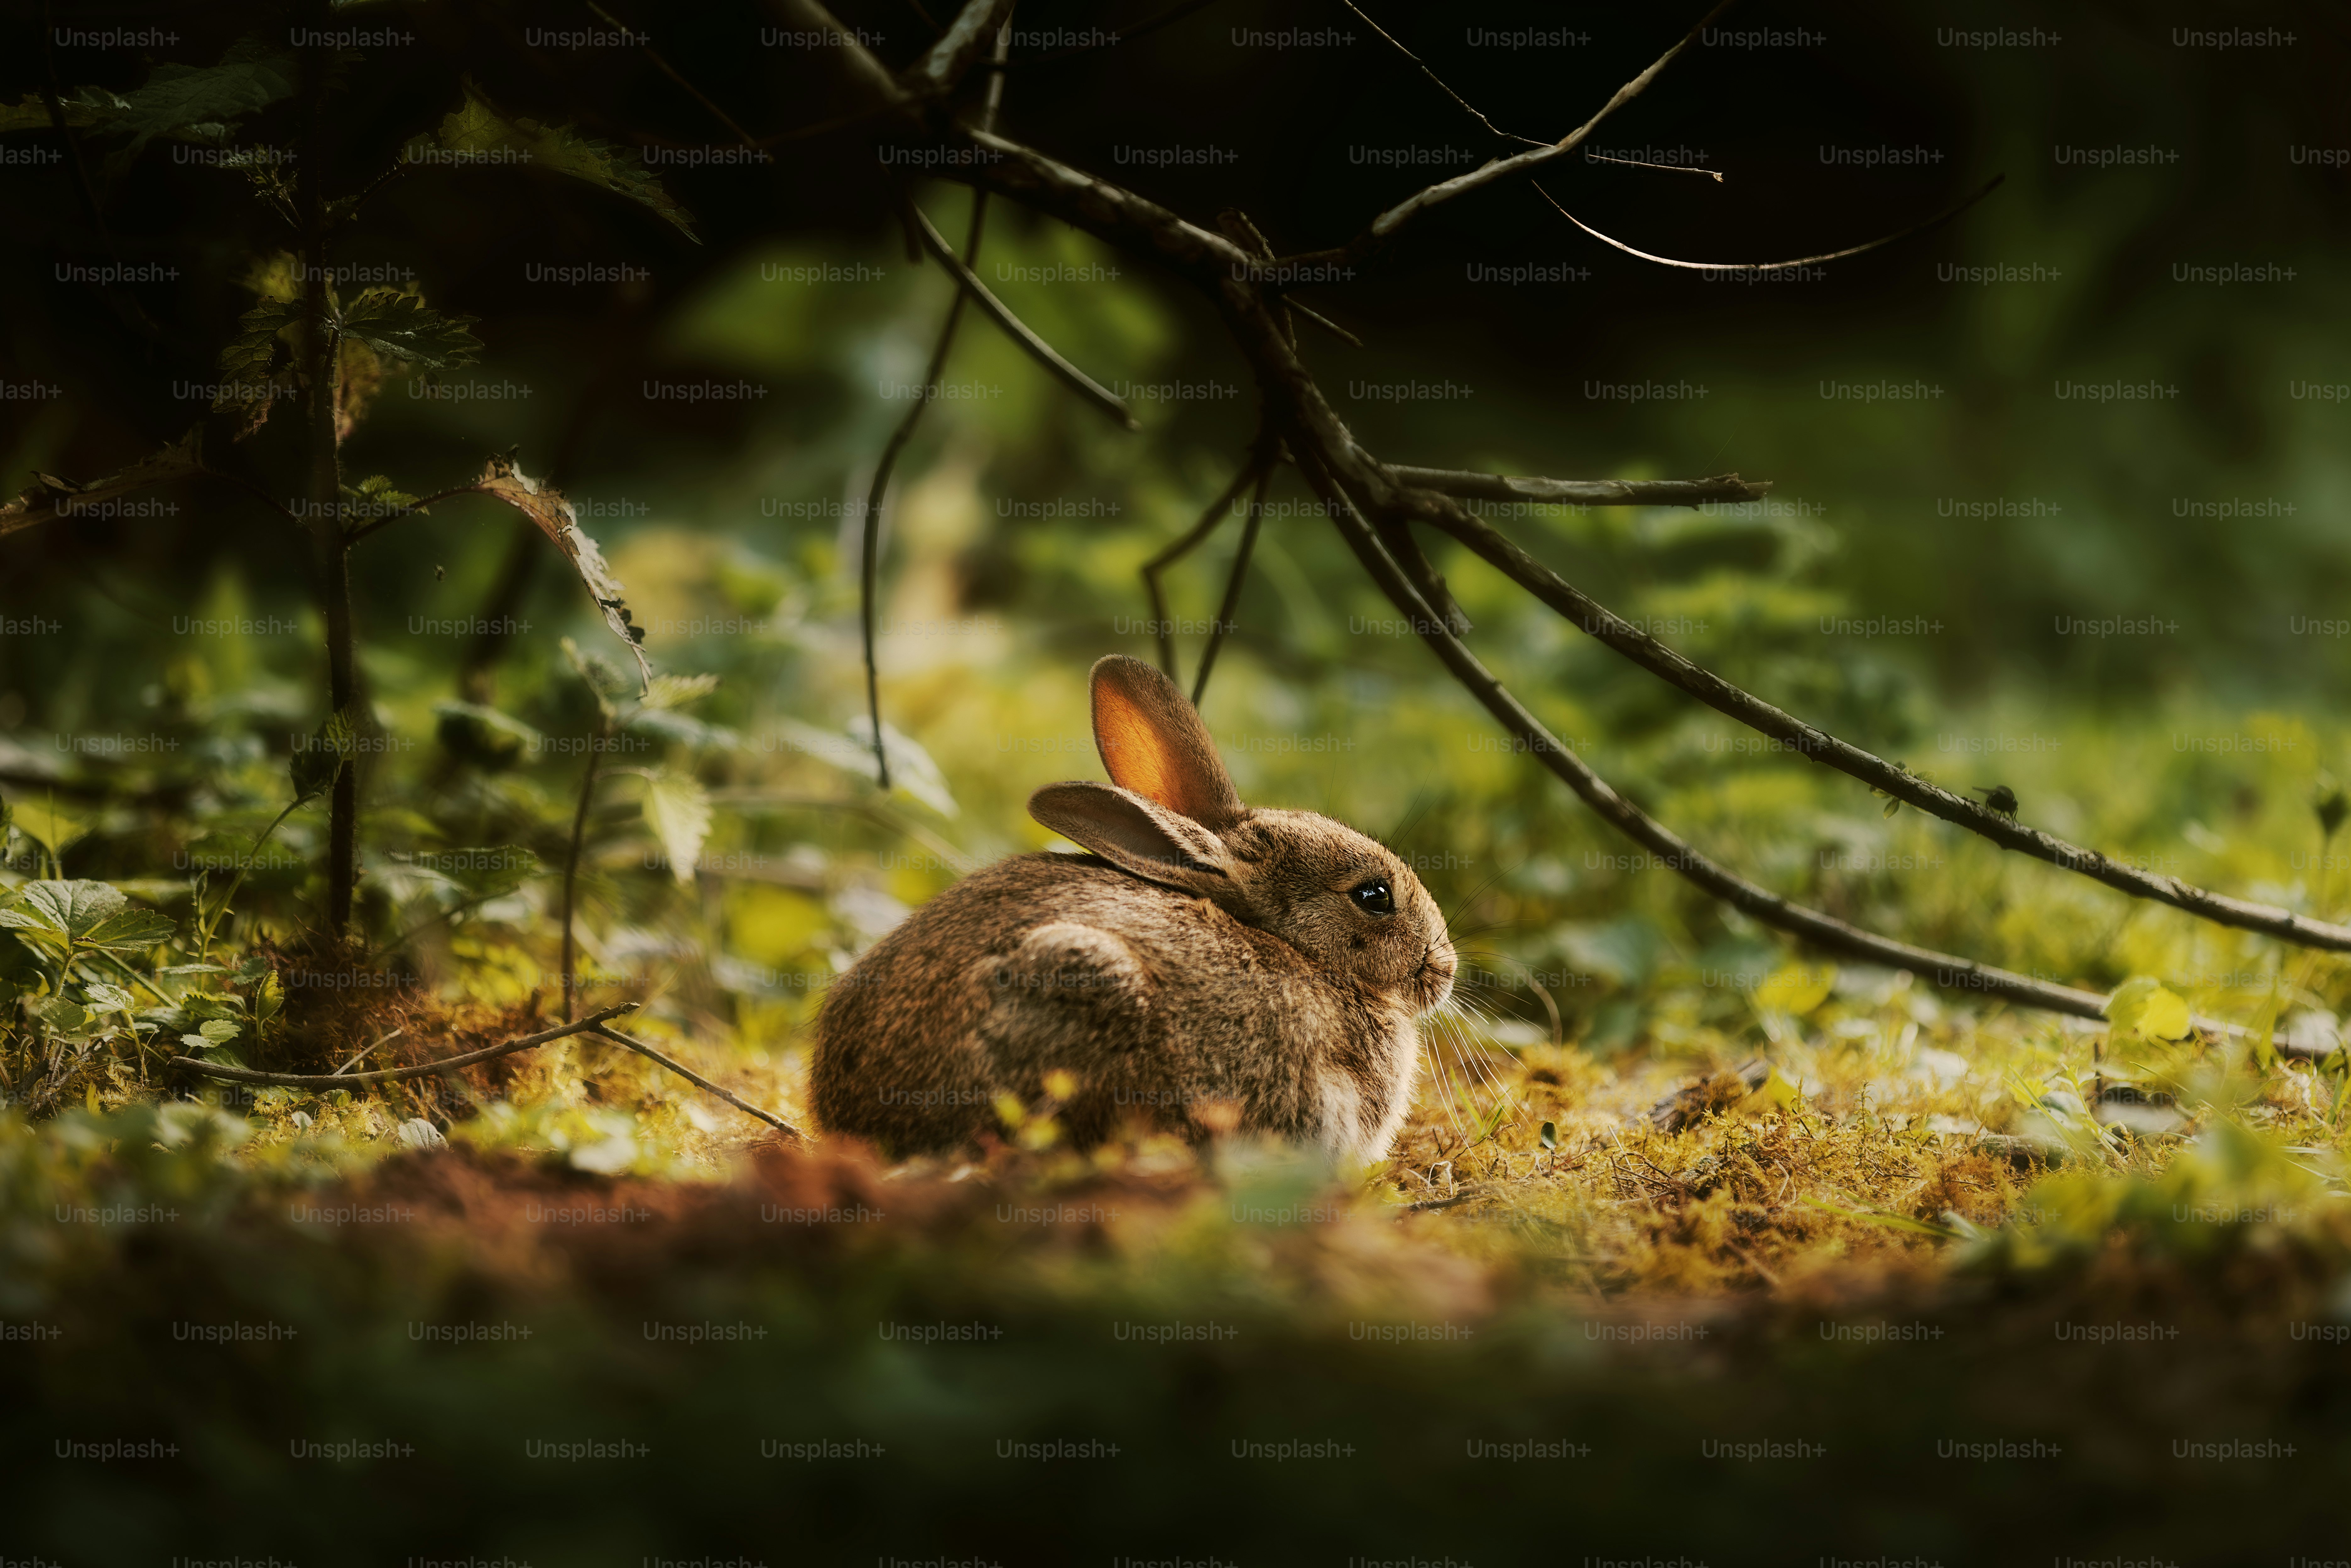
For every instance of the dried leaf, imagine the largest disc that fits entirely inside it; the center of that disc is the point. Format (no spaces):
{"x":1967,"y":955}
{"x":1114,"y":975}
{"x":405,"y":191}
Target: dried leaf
{"x":51,"y":497}
{"x":547,"y":507}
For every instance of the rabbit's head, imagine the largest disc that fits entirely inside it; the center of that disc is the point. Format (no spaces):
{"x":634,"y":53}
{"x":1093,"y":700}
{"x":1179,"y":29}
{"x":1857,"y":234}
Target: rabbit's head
{"x":1342,"y":900}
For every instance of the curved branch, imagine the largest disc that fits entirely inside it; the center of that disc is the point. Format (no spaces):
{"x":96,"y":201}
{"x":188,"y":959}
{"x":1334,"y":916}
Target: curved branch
{"x":1752,"y":711}
{"x":1230,"y":608}
{"x":994,"y":309}
{"x":1945,"y":215}
{"x":1384,"y":228}
{"x":1672,"y":851}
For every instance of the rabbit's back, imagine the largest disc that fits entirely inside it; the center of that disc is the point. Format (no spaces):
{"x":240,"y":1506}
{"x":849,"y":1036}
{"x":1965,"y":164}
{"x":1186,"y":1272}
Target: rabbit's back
{"x":1157,"y":1001}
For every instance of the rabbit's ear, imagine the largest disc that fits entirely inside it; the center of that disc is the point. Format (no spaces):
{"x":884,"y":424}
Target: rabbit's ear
{"x":1154,"y":743}
{"x":1135,"y":834}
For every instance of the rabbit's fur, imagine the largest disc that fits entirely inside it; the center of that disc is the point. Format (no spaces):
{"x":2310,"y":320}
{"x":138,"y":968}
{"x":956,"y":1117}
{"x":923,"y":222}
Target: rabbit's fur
{"x":1204,"y":959}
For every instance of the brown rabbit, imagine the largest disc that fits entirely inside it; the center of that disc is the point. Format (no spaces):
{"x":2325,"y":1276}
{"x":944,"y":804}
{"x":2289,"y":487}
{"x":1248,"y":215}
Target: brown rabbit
{"x":1205,"y":954}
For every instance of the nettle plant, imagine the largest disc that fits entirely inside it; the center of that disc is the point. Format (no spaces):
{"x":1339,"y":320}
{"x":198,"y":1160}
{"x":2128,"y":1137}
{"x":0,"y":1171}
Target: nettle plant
{"x":306,"y":342}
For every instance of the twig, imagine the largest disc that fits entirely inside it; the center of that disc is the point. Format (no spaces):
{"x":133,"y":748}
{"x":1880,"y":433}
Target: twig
{"x":699,"y":1082}
{"x":393,"y":1074}
{"x":1474,"y":112}
{"x":668,"y":70}
{"x":1671,"y":851}
{"x":1641,"y":163}
{"x":1184,"y":546}
{"x":367,"y":1050}
{"x":937,"y":72}
{"x":1231,"y":606}
{"x":1067,"y":374}
{"x":1945,"y":215}
{"x":870,"y":545}
{"x":1728,"y":488}
{"x":1711,"y":689}
{"x":1385,"y":226}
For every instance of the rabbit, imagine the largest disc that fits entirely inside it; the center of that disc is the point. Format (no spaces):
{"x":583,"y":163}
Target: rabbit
{"x":1202,"y":956}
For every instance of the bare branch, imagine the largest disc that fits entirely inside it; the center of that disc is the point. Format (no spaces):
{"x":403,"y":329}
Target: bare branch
{"x":869,"y":549}
{"x":1726,"y":487}
{"x":1231,"y":606}
{"x":958,"y":48}
{"x":1474,"y":112}
{"x":868,"y":76}
{"x":1672,"y":851}
{"x":1906,"y":787}
{"x":699,"y":1082}
{"x":394,"y":1074}
{"x":1666,"y":168}
{"x":1385,"y":226}
{"x":670,"y":71}
{"x":1067,"y":374}
{"x":1184,"y":546}
{"x":1945,"y":215}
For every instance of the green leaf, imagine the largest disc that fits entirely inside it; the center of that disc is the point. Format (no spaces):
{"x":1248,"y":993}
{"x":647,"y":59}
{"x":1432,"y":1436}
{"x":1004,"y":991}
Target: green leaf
{"x":677,"y":809}
{"x":81,"y":110}
{"x":379,"y":491}
{"x":2142,"y":1007}
{"x":476,"y":132}
{"x":41,"y":820}
{"x":667,"y":691}
{"x":485,"y":873}
{"x":219,"y":1032}
{"x":106,"y":999}
{"x":400,"y":326}
{"x":318,"y":760}
{"x":483,"y":735}
{"x":207,"y":99}
{"x":1796,"y":989}
{"x":58,"y":919}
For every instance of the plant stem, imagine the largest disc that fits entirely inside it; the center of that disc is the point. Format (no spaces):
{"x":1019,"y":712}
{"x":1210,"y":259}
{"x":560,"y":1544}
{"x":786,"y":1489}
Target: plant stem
{"x":324,"y":486}
{"x":571,"y":866}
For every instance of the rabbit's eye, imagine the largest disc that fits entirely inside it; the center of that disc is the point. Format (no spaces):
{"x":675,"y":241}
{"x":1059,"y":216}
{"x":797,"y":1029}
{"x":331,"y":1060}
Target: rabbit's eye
{"x":1373,"y":898}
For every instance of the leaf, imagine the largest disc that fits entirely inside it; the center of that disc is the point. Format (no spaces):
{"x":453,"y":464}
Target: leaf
{"x":1796,"y":989}
{"x":218,"y":1031}
{"x":546,"y":506}
{"x":207,"y":99}
{"x":675,"y":691}
{"x":476,"y":132}
{"x":251,"y":378}
{"x":2141,"y":1007}
{"x":41,"y":821}
{"x":400,"y":326}
{"x":911,"y":768}
{"x":59,"y":1016}
{"x":81,"y":109}
{"x":60,"y":918}
{"x":1887,"y":1217}
{"x":485,"y":873}
{"x":318,"y":761}
{"x":483,"y":735}
{"x":51,"y":497}
{"x":377,"y":491}
{"x":106,"y":999}
{"x":677,"y":809}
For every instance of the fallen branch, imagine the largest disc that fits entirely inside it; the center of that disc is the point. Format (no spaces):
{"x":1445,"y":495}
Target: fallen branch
{"x":394,"y":1074}
{"x":641,"y":1048}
